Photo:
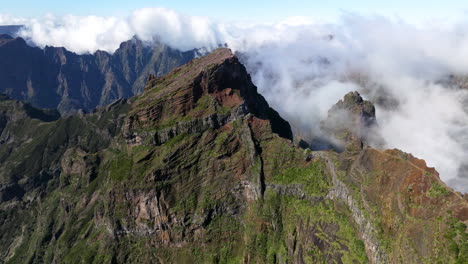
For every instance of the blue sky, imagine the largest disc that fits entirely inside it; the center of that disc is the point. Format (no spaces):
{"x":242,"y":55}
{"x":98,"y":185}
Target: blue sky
{"x":244,"y":10}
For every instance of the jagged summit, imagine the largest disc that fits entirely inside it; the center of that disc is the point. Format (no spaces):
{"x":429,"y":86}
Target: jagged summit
{"x":352,"y":114}
{"x":195,"y":67}
{"x":215,"y":87}
{"x":352,"y":122}
{"x":354,"y":103}
{"x":8,"y":39}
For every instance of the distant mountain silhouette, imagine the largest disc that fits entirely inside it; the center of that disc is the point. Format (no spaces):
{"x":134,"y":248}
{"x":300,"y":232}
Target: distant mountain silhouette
{"x":11,"y":30}
{"x":54,"y":77}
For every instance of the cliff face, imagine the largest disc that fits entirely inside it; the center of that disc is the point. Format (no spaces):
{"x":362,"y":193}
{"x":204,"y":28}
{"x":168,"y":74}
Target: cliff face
{"x":199,"y":169}
{"x":56,"y":78}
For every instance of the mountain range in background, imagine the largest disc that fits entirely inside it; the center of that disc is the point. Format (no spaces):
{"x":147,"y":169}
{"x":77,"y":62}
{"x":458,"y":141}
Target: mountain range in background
{"x":56,"y":78}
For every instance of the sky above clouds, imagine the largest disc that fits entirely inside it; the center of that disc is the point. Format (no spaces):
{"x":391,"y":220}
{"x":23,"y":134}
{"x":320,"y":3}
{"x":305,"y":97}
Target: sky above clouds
{"x":247,"y":10}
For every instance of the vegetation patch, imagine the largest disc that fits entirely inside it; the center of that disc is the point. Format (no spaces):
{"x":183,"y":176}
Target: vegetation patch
{"x":120,"y":166}
{"x":322,"y":231}
{"x":458,"y":240}
{"x":311,"y":178}
{"x":437,"y":190}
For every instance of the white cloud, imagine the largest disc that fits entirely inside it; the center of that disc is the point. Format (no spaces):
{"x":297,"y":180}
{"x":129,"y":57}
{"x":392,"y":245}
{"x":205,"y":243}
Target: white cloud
{"x":300,"y":65}
{"x":183,"y":32}
{"x":10,"y":20}
{"x":78,"y":34}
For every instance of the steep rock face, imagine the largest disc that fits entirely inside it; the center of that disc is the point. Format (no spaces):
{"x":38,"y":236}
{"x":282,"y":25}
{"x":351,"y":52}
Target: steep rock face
{"x":422,"y":220}
{"x":56,"y":78}
{"x":199,"y":169}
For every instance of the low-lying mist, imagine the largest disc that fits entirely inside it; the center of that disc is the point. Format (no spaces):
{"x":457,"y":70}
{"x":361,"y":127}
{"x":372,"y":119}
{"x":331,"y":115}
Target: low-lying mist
{"x":413,"y":74}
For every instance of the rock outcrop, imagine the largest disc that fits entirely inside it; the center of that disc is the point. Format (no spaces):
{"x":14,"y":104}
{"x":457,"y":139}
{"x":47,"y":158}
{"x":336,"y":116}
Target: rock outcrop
{"x":351,"y":123}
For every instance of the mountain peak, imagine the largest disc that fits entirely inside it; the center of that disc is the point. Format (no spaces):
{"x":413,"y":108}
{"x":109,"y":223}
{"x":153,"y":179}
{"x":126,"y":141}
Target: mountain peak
{"x":6,"y":39}
{"x":362,"y":109}
{"x":218,"y":56}
{"x":198,"y":66}
{"x":351,"y":121}
{"x":213,"y":90}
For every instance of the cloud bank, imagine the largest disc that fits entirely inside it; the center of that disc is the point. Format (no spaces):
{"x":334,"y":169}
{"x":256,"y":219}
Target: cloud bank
{"x":303,"y":67}
{"x":86,"y":34}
